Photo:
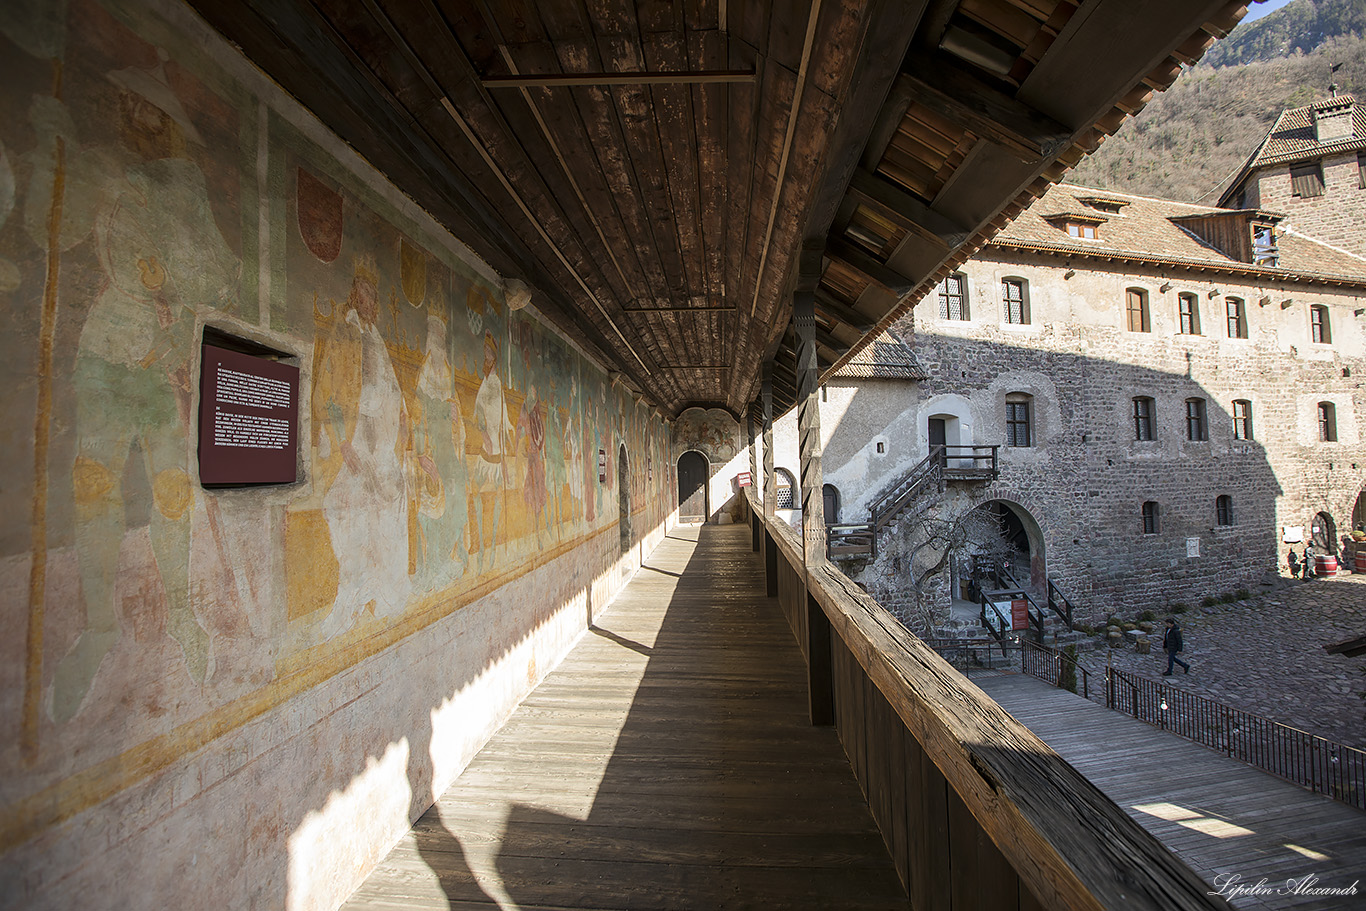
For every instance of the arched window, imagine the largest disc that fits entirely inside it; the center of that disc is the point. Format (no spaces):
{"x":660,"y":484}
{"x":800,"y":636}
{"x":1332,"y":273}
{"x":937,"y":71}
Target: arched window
{"x":1188,"y":306}
{"x":1223,"y":509}
{"x":1015,"y":298}
{"x":953,"y":297}
{"x":1150,"y":518}
{"x":1242,"y":419}
{"x":1197,"y":427}
{"x":786,"y":497}
{"x":1144,"y":426}
{"x":1136,"y":304}
{"x":1328,"y":422}
{"x":1319,"y":329}
{"x":1018,"y":408}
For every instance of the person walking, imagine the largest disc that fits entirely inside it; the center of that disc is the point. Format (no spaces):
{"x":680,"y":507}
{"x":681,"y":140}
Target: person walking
{"x":1308,"y":571}
{"x":1293,"y":559}
{"x":1171,"y":644}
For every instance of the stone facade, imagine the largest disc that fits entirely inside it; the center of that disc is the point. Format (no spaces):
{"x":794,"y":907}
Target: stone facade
{"x":1079,"y":487}
{"x":1339,"y":215}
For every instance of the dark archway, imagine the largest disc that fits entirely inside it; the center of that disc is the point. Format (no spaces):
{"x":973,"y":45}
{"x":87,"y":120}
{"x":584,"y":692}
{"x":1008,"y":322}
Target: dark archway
{"x":623,"y":499}
{"x":693,"y":499}
{"x":1015,"y":544}
{"x":830,"y":499}
{"x":1325,"y":534}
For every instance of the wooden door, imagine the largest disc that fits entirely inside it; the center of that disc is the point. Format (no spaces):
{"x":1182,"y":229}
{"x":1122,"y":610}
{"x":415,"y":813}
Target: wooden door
{"x":937,"y":437}
{"x":692,"y":487}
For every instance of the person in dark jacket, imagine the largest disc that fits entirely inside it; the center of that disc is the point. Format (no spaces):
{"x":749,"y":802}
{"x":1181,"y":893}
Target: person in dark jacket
{"x":1171,"y":644}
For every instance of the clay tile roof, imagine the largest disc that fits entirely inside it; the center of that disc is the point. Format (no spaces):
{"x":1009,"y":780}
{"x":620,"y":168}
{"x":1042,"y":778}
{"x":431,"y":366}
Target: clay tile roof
{"x":887,"y":358}
{"x":1293,"y":137}
{"x":1147,"y":232}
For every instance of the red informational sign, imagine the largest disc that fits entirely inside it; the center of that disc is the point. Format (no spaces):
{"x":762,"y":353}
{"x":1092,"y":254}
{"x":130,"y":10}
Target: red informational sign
{"x":1019,"y":614}
{"x":742,"y":479}
{"x":248,"y":419}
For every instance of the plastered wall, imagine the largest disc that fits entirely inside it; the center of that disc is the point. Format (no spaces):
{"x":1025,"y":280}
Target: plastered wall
{"x":240,"y":698}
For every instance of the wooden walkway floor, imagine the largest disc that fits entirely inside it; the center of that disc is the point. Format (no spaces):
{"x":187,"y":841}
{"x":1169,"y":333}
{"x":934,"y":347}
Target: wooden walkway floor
{"x":1222,"y":817}
{"x":668,"y":763}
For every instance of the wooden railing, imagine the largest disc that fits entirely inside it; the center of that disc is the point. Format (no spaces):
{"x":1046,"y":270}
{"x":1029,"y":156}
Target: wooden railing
{"x":970,"y":463}
{"x":1058,"y":603}
{"x":975,"y":810}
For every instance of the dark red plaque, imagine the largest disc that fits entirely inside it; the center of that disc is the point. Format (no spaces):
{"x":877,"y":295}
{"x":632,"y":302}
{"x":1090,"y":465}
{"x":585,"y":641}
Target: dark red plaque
{"x":248,"y":419}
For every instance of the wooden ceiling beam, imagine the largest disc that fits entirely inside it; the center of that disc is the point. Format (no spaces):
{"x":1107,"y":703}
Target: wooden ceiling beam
{"x":869,"y":266}
{"x":954,"y":92}
{"x":826,"y":303}
{"x":905,"y":209}
{"x":549,"y":80}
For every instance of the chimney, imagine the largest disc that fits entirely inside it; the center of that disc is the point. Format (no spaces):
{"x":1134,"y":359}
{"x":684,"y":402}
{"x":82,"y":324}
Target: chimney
{"x":1333,"y":119}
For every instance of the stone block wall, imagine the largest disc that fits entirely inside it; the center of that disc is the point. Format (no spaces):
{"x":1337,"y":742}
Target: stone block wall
{"x":1338,"y":217}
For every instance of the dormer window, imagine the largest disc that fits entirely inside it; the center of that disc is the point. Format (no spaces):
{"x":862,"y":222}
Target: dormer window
{"x":1077,"y":224}
{"x":1264,"y":245}
{"x":1103,"y":204}
{"x":1079,"y":229}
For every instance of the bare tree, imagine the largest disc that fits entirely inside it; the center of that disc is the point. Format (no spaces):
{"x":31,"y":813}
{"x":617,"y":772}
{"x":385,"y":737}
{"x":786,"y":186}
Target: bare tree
{"x":934,"y":540}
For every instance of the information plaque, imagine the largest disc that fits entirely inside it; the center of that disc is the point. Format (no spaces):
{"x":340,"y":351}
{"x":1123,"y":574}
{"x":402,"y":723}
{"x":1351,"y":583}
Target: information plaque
{"x":248,"y":419}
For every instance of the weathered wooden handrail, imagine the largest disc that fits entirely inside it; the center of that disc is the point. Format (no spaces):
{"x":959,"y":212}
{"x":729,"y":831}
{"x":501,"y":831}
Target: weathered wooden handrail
{"x":887,"y":507}
{"x":975,"y":809}
{"x":1058,"y":603}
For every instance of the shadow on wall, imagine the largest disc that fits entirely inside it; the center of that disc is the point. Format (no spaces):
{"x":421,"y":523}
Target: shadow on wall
{"x":1121,"y":465}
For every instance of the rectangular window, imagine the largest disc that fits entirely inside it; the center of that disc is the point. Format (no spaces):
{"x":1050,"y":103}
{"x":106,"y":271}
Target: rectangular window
{"x":1088,"y":232}
{"x":1136,"y":303}
{"x":1150,"y":518}
{"x":1189,"y":307}
{"x":1196,"y":429}
{"x":1237,"y":320}
{"x":1242,"y":420}
{"x":1223,"y":509}
{"x":1013,"y":296}
{"x":1306,"y":179}
{"x":1328,"y":423}
{"x":1143,"y":419}
{"x":1319,"y":330}
{"x":953,"y":297}
{"x":1017,"y":423}
{"x":1361,"y":169}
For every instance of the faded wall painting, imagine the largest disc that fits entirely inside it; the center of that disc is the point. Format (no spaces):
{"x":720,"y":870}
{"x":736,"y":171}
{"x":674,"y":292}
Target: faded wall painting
{"x":448,"y":444}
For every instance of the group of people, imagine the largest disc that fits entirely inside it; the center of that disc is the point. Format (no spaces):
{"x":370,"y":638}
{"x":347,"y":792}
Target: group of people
{"x":1301,"y":565}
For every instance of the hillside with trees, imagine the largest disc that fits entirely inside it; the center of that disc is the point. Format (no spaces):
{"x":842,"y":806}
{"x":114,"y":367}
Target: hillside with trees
{"x":1189,"y":141}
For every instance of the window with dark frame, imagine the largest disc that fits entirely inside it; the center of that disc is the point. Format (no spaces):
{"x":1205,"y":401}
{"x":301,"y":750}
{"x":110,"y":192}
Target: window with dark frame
{"x":1197,"y":429}
{"x":1188,"y":305}
{"x":1264,"y":252}
{"x":1017,"y":420}
{"x":1306,"y":180}
{"x":1328,"y":422}
{"x":1223,"y":509}
{"x":1237,"y":318}
{"x":1143,"y":419}
{"x":1136,"y":304}
{"x":1014,"y":297}
{"x":1242,"y":419}
{"x":953,"y":297}
{"x":1150,"y":518}
{"x":1319,"y":329}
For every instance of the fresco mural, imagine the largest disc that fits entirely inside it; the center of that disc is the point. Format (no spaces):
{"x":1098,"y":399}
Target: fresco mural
{"x":448,"y":444}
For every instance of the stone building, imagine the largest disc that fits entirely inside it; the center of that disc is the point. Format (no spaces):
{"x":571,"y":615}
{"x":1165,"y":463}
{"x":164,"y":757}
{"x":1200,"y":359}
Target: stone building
{"x":1174,"y":390}
{"x":1312,"y":167}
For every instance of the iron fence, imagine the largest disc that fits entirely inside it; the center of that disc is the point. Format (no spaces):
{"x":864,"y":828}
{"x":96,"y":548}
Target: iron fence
{"x":1052,"y":666}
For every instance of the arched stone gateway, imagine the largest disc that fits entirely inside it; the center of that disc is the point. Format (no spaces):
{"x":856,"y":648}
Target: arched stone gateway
{"x":1001,"y":534}
{"x":693,"y":472}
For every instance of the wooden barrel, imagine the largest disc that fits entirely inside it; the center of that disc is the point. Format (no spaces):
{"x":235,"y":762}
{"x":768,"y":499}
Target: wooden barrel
{"x":1325,"y":565}
{"x":1359,"y":562}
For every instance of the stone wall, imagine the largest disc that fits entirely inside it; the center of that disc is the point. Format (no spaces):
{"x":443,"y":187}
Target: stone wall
{"x":1338,"y":217}
{"x":241,"y":697}
{"x":1085,"y":477}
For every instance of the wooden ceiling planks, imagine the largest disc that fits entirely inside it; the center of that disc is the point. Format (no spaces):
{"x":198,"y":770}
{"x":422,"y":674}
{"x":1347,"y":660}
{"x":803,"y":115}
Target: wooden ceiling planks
{"x":660,"y":220}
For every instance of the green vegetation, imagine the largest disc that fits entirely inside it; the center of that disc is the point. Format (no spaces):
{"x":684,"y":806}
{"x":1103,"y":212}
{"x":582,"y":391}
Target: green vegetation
{"x":1067,"y":675}
{"x":1180,"y":607}
{"x":1190,"y":141}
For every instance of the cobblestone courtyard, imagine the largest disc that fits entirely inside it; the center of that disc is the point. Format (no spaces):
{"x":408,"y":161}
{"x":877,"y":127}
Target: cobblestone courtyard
{"x":1265,"y":655}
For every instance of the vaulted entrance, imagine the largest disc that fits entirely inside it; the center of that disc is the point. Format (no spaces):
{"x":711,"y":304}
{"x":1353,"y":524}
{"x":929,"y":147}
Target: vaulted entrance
{"x":692,"y":487}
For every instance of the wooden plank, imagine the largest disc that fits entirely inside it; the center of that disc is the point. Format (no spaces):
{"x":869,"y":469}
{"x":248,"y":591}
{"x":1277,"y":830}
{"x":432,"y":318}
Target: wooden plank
{"x":868,"y":265}
{"x":652,"y":78}
{"x":905,"y":210}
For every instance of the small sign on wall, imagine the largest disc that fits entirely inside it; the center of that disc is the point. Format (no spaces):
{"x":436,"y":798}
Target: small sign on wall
{"x":1292,"y":534}
{"x":1192,"y":547}
{"x":743,"y":479}
{"x":602,"y":466}
{"x":248,"y":419}
{"x":1019,"y":614}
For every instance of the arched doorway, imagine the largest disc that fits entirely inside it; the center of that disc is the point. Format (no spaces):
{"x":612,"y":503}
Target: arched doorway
{"x":1000,"y":535}
{"x":623,"y":499}
{"x":1359,"y":513}
{"x":1325,"y":534}
{"x":693,"y":473}
{"x":830,"y":500}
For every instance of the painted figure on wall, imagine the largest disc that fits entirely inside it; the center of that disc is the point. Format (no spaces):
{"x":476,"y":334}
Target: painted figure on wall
{"x":439,"y":431}
{"x":531,"y":437}
{"x":163,"y":257}
{"x":356,"y":429}
{"x":490,"y":474}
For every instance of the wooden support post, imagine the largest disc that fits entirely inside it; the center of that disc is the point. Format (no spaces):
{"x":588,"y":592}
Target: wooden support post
{"x":809,"y":428}
{"x":755,"y":522}
{"x":770,"y":483}
{"x":820,"y":676}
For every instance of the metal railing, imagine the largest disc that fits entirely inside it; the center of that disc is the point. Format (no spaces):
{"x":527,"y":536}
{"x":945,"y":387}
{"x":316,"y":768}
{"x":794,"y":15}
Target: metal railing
{"x":1311,"y":761}
{"x":965,"y":656}
{"x":1051,"y":666}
